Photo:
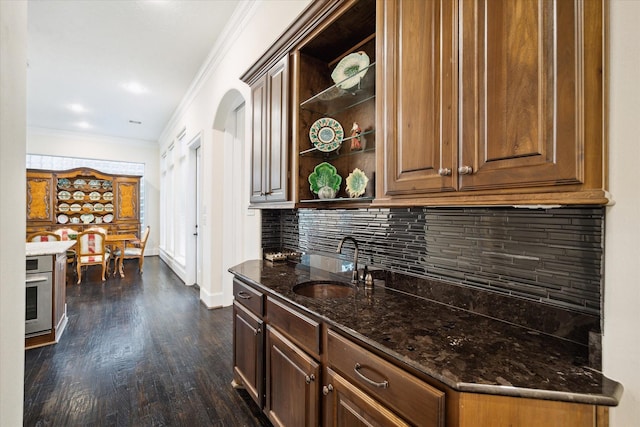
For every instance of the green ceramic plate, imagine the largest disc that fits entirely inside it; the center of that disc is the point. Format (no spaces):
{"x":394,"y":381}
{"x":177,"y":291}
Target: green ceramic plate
{"x":324,"y":175}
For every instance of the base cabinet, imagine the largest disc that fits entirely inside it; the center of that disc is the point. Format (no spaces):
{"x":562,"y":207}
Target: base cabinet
{"x":248,"y":352}
{"x":346,"y":405}
{"x":293,"y":390}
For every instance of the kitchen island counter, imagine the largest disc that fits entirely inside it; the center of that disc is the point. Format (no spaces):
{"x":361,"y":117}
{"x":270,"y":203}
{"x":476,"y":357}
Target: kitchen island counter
{"x":466,"y":351}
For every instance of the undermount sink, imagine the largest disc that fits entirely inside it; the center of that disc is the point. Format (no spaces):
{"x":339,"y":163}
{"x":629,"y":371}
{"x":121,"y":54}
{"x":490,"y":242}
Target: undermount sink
{"x":324,"y":289}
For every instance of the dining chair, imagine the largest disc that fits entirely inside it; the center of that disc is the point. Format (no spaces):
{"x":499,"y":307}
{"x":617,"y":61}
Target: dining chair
{"x":67,"y":234}
{"x":43,"y":236}
{"x":135,"y":249}
{"x":91,"y":251}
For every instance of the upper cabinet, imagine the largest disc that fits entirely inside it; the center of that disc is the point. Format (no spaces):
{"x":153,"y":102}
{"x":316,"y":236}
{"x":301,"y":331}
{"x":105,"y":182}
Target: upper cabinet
{"x":492,"y":102}
{"x":433,"y":102}
{"x":270,"y":134}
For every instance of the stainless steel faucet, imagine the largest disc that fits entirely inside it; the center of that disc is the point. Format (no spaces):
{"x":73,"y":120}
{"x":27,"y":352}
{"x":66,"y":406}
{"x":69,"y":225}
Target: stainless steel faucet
{"x":354,"y":276}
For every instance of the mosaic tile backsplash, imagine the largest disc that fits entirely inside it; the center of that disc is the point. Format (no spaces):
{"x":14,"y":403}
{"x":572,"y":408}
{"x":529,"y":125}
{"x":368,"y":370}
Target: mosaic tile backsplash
{"x":552,"y":256}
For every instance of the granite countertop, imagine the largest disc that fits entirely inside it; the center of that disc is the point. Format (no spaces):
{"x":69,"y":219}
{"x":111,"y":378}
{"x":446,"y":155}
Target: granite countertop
{"x":48,"y":248}
{"x":466,"y":351}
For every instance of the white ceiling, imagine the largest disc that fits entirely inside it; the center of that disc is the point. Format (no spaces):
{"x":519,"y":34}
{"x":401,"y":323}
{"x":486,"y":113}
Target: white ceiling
{"x":86,"y":52}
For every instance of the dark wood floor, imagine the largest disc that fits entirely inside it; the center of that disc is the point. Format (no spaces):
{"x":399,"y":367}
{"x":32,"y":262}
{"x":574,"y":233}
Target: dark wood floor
{"x":138,"y":351}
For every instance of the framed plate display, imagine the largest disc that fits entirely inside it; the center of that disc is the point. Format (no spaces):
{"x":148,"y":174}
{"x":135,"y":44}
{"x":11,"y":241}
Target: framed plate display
{"x":78,"y":195}
{"x":79,"y":183}
{"x":75,"y":207}
{"x":63,"y":207}
{"x":108,"y":196}
{"x":326,"y":134}
{"x":107,"y":218}
{"x":64,"y":195}
{"x":63,"y":219}
{"x":350,"y":70}
{"x":108,"y":207}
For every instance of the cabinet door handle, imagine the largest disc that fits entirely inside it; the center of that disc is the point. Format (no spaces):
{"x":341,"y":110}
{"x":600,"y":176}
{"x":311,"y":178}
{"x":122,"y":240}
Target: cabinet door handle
{"x":465,"y":170}
{"x":257,"y":332}
{"x":444,"y":172}
{"x":243,"y":295}
{"x":383,"y":384}
{"x":327,"y":389}
{"x":309,"y":378}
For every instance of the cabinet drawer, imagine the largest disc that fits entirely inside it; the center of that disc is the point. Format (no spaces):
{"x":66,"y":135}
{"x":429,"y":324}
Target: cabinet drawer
{"x":413,"y":399}
{"x":300,"y":329}
{"x":249,"y":297}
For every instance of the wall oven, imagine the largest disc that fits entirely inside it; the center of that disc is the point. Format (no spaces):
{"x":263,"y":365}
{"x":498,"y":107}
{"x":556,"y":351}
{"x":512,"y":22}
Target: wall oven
{"x":39,"y":285}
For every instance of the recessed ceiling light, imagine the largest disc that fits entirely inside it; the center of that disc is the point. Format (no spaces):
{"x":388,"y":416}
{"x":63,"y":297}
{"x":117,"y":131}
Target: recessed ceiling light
{"x":135,"y":87}
{"x":135,"y":122}
{"x":77,"y":108}
{"x":83,"y":125}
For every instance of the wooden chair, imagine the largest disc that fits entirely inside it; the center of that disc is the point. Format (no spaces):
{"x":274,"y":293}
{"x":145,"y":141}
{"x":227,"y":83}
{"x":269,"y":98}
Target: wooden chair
{"x":135,"y":250}
{"x":43,"y":236}
{"x":91,"y":251}
{"x":65,"y":235}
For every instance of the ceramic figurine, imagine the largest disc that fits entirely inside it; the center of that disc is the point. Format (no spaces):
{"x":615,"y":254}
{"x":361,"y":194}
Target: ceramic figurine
{"x":357,"y":139}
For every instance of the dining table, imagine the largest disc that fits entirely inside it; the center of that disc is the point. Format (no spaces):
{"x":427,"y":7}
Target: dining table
{"x":119,"y":241}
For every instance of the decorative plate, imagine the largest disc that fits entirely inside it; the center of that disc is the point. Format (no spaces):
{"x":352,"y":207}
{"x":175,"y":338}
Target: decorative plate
{"x":108,"y":196}
{"x":78,"y":195}
{"x":106,"y":184}
{"x":350,"y":70}
{"x":108,"y":207}
{"x":107,"y":218}
{"x":87,"y":207}
{"x":94,"y":184}
{"x":64,"y":195}
{"x":98,"y":207}
{"x":75,"y":220}
{"x":75,"y":207}
{"x":87,"y":218}
{"x":64,"y":183}
{"x":63,"y":207}
{"x":63,"y":219}
{"x":94,"y":195}
{"x":326,"y":134}
{"x":79,"y":183}
{"x":324,"y":175}
{"x":356,"y":183}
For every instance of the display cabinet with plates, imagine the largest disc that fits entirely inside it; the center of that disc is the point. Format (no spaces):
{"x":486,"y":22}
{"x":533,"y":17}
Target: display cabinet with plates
{"x":334,"y":122}
{"x":81,"y":198}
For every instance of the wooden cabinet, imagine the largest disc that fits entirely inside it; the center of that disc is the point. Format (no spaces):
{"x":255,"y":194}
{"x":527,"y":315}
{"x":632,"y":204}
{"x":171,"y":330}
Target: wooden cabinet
{"x":293,"y":388}
{"x":320,"y":102}
{"x":510,"y":109}
{"x":345,"y":405}
{"x":394,"y":389}
{"x":248,"y":340}
{"x":81,"y":198}
{"x":270,"y":134}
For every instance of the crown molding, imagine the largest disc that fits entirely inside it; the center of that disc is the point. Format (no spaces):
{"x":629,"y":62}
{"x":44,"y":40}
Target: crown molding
{"x":146,"y":143}
{"x":243,"y":13}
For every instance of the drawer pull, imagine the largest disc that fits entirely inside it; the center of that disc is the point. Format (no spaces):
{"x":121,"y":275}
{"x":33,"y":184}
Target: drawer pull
{"x":383,"y":384}
{"x":309,"y":378}
{"x":327,"y":389}
{"x":243,"y":295}
{"x":257,"y":332}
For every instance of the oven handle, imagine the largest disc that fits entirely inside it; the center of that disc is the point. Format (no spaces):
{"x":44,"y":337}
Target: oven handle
{"x":37,"y":279}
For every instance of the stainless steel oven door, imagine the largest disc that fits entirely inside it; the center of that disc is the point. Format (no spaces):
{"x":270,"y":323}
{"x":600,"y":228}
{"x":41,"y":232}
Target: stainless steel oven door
{"x":38,"y":303}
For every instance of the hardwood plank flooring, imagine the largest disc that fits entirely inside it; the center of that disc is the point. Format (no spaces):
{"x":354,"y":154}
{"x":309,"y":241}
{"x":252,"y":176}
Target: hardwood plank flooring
{"x":138,"y":351}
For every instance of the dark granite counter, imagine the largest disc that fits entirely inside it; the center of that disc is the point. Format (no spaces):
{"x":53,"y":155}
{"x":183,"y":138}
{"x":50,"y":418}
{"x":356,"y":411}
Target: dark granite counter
{"x":464,"y":350}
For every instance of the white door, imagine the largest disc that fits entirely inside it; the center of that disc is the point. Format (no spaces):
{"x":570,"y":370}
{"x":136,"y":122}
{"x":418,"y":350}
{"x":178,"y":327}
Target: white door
{"x":198,"y":210}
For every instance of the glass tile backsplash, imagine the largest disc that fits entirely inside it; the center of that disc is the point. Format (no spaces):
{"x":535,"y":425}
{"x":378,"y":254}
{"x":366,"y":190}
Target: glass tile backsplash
{"x":553,"y":256}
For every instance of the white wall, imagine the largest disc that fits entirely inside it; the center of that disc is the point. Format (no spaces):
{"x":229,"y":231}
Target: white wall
{"x":248,"y":37}
{"x":70,"y":144}
{"x":13,"y":90}
{"x":621,"y":341}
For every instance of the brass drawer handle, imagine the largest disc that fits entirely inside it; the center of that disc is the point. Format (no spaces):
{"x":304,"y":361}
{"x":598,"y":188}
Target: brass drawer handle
{"x":444,"y":172}
{"x":383,"y":384}
{"x":465,"y":170}
{"x":327,"y":389}
{"x":243,"y":295}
